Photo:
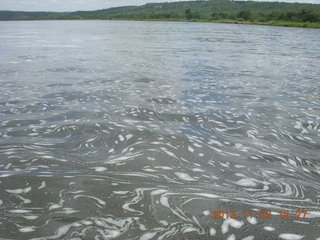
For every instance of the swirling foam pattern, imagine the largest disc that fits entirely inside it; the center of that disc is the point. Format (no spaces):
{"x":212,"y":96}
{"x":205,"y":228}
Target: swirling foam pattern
{"x":139,"y":130}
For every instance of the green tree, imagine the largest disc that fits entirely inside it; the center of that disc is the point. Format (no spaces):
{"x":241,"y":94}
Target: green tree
{"x":245,"y":14}
{"x":189,"y":14}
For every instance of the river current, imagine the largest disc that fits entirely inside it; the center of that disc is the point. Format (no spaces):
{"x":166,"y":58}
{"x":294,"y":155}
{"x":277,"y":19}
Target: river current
{"x":141,"y":130}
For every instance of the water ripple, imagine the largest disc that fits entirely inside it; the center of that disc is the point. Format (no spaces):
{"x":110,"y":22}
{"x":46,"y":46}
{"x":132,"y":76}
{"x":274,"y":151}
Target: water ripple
{"x":144,"y":139}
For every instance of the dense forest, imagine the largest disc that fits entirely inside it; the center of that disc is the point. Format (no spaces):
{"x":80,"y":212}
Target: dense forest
{"x":270,"y":13}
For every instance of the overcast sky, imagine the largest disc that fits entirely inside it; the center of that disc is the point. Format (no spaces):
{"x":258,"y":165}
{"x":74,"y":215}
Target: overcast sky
{"x":73,"y":5}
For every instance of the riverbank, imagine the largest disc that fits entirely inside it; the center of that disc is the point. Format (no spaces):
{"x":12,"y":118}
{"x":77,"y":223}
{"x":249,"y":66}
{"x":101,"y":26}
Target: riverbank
{"x":217,"y":11}
{"x":274,"y":23}
{"x":269,"y":23}
{"x":227,"y":21}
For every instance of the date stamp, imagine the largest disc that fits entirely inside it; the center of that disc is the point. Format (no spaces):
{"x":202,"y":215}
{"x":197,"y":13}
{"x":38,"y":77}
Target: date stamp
{"x":263,"y":214}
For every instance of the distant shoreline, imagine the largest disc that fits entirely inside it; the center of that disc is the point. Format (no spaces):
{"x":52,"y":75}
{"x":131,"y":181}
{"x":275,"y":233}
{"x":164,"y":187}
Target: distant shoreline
{"x":300,"y":15}
{"x":226,"y":21}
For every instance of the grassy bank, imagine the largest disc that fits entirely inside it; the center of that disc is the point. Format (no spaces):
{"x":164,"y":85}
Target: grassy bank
{"x":227,"y":21}
{"x":273,"y":23}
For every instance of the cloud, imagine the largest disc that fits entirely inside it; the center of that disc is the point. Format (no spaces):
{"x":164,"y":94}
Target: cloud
{"x":66,"y":5}
{"x":74,"y":5}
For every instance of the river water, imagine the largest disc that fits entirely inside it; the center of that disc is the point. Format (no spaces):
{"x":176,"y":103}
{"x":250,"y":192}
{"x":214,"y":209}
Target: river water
{"x":141,"y":130}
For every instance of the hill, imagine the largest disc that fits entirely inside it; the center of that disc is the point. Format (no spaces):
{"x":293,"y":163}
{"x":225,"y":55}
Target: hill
{"x":271,"y":13}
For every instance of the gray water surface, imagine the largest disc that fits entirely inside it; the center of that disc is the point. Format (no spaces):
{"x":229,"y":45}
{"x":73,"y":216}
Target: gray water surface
{"x":140,"y":130}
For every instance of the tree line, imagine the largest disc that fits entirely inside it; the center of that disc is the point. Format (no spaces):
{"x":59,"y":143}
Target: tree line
{"x":213,"y":10}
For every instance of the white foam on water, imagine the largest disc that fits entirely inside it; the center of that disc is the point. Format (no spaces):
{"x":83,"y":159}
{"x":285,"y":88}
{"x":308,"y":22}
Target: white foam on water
{"x":211,"y":141}
{"x":19,"y":211}
{"x":248,"y":238}
{"x":120,"y":192}
{"x":224,"y":228}
{"x":54,"y":206}
{"x":142,"y":227}
{"x":19,"y":191}
{"x":189,"y":229}
{"x":33,"y":134}
{"x":291,"y":236}
{"x":157,"y":192}
{"x":147,"y":236}
{"x":268,"y":228}
{"x":111,"y":150}
{"x":234,"y":223}
{"x":168,"y":152}
{"x":77,"y":224}
{"x":197,"y":170}
{"x":26,"y":229}
{"x":62,"y":231}
{"x":42,"y":185}
{"x":99,"y":169}
{"x":68,"y":211}
{"x":25,"y":200}
{"x":292,"y":162}
{"x":164,"y":222}
{"x":164,"y":201}
{"x":246,"y":182}
{"x":128,"y":136}
{"x":312,"y":214}
{"x":95,"y":198}
{"x":149,"y":170}
{"x":231,"y":237}
{"x":190,"y":149}
{"x":121,"y":138}
{"x":206,"y":212}
{"x":113,"y":234}
{"x":31,"y":217}
{"x":212,"y":232}
{"x":184,"y":176}
{"x":239,"y":174}
{"x":87,"y":222}
{"x":239,"y":166}
{"x":208,"y":195}
{"x":8,"y":166}
{"x":163,"y":167}
{"x":252,"y":220}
